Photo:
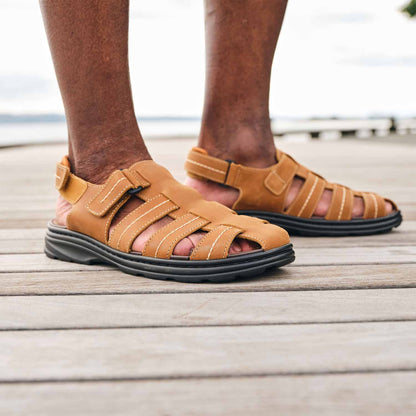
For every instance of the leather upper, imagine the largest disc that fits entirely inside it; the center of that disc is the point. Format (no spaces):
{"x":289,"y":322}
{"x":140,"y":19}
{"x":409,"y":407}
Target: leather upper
{"x":267,"y":189}
{"x":94,"y":207}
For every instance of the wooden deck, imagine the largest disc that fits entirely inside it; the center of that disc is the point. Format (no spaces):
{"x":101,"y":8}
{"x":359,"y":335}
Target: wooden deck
{"x":334,"y":333}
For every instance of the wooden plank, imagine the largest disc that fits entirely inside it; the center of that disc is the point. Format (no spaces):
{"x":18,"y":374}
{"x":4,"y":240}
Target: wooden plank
{"x":313,"y":395}
{"x":38,"y":263}
{"x":285,"y":279}
{"x":304,"y":257}
{"x":206,"y":351}
{"x":149,"y":310}
{"x":20,"y":241}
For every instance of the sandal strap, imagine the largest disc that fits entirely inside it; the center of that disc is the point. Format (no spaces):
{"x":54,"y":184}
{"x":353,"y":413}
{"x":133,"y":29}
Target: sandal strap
{"x":133,"y":224}
{"x":308,"y":197}
{"x":340,"y":207}
{"x":374,"y":205}
{"x":200,"y":164}
{"x":114,"y":188}
{"x":69,"y":186}
{"x":209,"y":246}
{"x":275,"y":179}
{"x":162,"y":243}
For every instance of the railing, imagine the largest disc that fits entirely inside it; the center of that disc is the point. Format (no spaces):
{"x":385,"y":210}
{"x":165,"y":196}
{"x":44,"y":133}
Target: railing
{"x":344,"y":127}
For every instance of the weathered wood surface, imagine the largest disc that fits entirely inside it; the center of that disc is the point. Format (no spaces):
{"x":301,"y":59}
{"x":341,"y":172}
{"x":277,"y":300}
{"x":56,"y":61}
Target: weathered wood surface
{"x":206,"y":351}
{"x":381,"y":394}
{"x":334,"y":333}
{"x":287,"y":279}
{"x":180,"y":309}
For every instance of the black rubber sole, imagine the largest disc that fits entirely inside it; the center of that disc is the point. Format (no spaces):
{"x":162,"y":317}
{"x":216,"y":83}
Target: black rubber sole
{"x":319,"y":227}
{"x":66,"y":245}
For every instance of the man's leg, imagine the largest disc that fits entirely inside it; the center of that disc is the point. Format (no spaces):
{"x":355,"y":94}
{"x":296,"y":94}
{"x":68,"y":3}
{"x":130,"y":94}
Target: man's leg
{"x":241,"y":37}
{"x":88,"y":41}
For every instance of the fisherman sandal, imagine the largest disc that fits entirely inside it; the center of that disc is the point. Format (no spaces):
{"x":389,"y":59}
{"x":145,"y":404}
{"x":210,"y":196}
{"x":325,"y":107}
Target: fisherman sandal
{"x":86,"y":238}
{"x":263,"y":192}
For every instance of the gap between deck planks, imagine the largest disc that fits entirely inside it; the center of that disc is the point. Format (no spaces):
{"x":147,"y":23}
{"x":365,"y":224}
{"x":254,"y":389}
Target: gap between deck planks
{"x":204,"y":309}
{"x":160,"y":353}
{"x":384,"y":394}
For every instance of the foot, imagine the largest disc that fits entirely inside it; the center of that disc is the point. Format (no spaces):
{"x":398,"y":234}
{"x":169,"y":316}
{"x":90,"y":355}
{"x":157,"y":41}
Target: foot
{"x":225,"y":195}
{"x":183,"y":248}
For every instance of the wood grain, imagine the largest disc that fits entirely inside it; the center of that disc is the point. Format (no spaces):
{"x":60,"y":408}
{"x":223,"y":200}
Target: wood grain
{"x":287,"y":279}
{"x":383,"y":394}
{"x":206,"y":351}
{"x":181,"y":309}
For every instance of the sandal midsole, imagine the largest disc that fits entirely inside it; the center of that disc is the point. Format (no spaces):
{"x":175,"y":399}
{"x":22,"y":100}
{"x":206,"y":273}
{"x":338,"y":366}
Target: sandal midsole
{"x":320,"y":225}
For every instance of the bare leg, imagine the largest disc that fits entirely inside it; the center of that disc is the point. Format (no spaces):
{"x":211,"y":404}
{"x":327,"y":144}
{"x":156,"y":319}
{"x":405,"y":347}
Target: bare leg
{"x":241,"y":37}
{"x":88,"y":41}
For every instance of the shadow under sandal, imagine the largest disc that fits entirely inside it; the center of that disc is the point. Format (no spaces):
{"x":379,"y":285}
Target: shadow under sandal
{"x":263,"y":193}
{"x":86,"y":237}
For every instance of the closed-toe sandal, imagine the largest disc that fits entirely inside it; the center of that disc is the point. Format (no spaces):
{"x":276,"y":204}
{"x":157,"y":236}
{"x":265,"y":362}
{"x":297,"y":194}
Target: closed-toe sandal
{"x":87,"y":239}
{"x":263,"y":194}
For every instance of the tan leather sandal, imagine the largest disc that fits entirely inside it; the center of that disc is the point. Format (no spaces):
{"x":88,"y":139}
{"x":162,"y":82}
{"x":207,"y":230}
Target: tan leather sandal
{"x":86,"y":238}
{"x":263,"y":194}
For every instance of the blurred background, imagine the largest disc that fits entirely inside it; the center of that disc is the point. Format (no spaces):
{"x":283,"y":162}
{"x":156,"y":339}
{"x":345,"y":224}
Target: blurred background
{"x":341,"y":68}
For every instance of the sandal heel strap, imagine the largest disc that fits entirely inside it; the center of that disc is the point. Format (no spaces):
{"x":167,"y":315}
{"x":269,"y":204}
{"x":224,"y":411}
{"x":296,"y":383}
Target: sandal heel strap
{"x":199,"y":164}
{"x":69,"y":186}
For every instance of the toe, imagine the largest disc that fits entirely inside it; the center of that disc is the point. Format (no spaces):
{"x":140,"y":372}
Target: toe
{"x":358,"y":207}
{"x":184,"y":247}
{"x":323,"y":205}
{"x":389,"y":207}
{"x":247,"y":245}
{"x":235,"y":247}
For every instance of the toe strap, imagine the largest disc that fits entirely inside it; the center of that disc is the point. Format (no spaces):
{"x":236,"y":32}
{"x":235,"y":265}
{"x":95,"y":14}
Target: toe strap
{"x":340,"y":208}
{"x":162,"y":243}
{"x":216,"y":243}
{"x":374,"y":205}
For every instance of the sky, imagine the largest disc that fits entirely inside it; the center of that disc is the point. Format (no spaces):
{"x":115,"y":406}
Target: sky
{"x":350,"y":58}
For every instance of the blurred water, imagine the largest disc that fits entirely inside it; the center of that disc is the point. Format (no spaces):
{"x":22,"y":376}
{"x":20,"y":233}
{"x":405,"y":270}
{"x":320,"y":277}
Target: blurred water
{"x":21,"y":133}
{"x":12,"y":134}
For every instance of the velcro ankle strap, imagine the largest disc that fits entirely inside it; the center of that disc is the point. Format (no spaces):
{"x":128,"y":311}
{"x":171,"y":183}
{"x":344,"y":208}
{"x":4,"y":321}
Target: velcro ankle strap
{"x":117,"y":185}
{"x":69,"y":186}
{"x":199,"y":164}
{"x":72,"y":187}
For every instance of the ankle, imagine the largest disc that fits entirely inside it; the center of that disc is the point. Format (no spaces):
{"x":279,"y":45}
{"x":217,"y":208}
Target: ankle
{"x":248,"y":145}
{"x":97,"y":163}
{"x":97,"y":168}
